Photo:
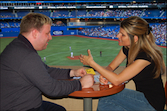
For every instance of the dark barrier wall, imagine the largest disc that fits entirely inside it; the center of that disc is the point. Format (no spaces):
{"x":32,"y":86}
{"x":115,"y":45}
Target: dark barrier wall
{"x":55,"y":31}
{"x":10,"y":29}
{"x":62,"y":30}
{"x":9,"y":34}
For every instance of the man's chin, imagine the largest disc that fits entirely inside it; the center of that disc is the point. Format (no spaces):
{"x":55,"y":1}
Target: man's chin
{"x":41,"y":49}
{"x":44,"y":48}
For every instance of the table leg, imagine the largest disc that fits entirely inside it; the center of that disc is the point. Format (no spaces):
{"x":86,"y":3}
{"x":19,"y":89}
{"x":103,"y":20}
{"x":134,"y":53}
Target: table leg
{"x":87,"y":104}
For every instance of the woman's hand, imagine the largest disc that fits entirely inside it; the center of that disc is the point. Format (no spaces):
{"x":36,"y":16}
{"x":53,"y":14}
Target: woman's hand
{"x":103,"y":80}
{"x":86,"y":60}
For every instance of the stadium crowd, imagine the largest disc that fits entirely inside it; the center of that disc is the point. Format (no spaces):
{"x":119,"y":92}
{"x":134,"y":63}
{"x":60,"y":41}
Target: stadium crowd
{"x":159,"y":31}
{"x":16,"y":24}
{"x":106,"y":13}
{"x":80,"y":4}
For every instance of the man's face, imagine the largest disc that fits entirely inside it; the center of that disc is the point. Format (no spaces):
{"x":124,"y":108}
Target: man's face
{"x":43,"y":37}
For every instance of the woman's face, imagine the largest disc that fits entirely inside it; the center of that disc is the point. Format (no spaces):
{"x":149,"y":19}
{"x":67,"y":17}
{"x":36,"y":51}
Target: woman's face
{"x":123,"y":38}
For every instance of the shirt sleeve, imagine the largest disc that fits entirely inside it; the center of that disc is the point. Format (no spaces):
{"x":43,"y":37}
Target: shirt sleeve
{"x":58,"y":73}
{"x":143,"y":55}
{"x":125,"y":51}
{"x":33,"y":69}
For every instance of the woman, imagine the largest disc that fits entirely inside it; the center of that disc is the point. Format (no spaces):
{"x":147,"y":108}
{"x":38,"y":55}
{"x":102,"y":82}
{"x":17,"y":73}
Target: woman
{"x":144,"y":66}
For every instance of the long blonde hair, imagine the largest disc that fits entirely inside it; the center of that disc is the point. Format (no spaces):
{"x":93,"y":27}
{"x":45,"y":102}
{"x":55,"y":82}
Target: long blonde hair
{"x":136,"y":26}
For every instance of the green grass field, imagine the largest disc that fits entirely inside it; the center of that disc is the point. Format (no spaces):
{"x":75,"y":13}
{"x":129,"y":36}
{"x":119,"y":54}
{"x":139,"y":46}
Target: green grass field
{"x":58,"y":50}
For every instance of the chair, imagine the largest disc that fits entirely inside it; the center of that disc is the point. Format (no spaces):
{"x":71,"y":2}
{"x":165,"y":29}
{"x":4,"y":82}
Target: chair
{"x":166,"y":93}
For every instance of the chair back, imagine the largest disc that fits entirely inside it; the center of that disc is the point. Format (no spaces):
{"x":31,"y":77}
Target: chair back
{"x":166,"y":93}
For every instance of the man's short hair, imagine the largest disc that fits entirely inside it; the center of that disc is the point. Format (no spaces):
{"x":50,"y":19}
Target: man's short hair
{"x":34,"y":21}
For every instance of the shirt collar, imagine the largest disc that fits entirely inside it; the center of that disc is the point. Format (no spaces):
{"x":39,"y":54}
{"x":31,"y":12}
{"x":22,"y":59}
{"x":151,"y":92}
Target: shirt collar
{"x":26,"y":41}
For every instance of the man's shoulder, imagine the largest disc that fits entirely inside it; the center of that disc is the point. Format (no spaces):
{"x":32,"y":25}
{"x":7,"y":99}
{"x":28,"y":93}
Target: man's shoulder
{"x":17,"y":49}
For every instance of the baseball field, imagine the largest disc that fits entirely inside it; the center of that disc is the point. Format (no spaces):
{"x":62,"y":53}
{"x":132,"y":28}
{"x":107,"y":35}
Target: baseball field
{"x":58,"y":51}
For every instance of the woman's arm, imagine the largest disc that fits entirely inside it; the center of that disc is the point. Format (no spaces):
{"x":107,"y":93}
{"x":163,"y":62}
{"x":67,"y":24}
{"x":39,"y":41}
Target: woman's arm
{"x":113,"y":65}
{"x":115,"y":79}
{"x":117,"y":61}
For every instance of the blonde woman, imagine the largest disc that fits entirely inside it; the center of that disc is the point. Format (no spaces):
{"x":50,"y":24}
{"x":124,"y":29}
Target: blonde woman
{"x":145,"y":65}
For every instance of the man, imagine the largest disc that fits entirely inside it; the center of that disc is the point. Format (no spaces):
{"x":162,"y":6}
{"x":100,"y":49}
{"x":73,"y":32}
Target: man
{"x":24,"y":77}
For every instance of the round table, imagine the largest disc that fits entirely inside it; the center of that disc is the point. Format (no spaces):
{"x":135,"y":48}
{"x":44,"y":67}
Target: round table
{"x":97,"y":90}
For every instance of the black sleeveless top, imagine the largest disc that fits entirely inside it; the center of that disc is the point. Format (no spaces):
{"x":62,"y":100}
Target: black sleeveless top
{"x":144,"y":81}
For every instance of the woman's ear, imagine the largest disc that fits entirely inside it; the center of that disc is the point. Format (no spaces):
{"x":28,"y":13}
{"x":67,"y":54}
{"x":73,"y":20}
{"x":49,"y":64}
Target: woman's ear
{"x":135,"y":38}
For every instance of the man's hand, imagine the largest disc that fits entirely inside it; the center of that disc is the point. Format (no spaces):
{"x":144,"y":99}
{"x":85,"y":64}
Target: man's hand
{"x":78,"y":73}
{"x":87,"y":81}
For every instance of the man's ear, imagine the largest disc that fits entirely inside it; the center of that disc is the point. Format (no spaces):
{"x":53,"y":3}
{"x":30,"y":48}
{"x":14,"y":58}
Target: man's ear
{"x":135,"y":38}
{"x":34,"y":33}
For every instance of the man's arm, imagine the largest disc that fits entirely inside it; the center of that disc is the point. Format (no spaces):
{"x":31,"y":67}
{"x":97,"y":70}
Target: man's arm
{"x":38,"y":75}
{"x":58,"y":73}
